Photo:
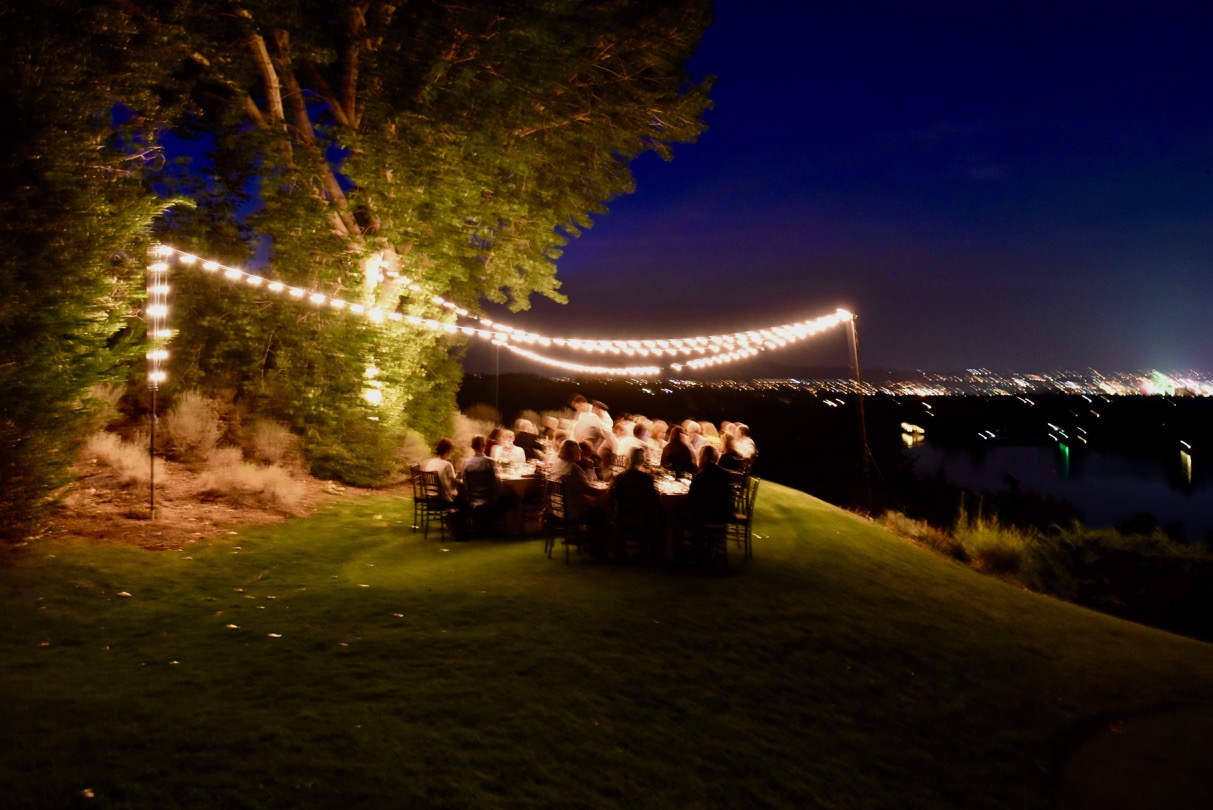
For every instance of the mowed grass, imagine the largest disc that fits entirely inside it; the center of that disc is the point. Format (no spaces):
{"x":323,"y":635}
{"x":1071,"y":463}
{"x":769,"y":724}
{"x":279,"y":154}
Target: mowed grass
{"x":370,"y":668}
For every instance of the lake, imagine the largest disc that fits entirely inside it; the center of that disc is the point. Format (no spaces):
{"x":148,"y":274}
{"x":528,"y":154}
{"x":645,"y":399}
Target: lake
{"x":1106,"y":486}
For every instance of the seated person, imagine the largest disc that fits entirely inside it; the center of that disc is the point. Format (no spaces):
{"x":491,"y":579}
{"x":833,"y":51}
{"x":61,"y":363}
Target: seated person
{"x":505,"y":451}
{"x":480,"y":483}
{"x":582,"y":502}
{"x":742,"y":442}
{"x":590,"y":461}
{"x":678,"y":456}
{"x":448,"y":487}
{"x":710,"y":498}
{"x":441,"y":464}
{"x":730,"y":459}
{"x":634,"y":503}
{"x":526,"y":437}
{"x":639,"y":437}
{"x":482,"y":495}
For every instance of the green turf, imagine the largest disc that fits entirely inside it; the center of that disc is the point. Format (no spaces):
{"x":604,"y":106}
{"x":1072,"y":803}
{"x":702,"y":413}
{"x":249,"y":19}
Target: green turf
{"x":839,"y":668}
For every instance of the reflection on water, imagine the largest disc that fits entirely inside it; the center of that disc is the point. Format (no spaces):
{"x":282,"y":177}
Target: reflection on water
{"x":1106,"y":487}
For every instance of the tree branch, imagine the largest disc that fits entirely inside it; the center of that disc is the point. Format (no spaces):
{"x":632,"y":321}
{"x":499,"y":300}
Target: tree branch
{"x":302,"y":124}
{"x":269,"y":77}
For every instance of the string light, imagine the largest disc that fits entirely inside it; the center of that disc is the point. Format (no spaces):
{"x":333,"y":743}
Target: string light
{"x":577,"y":368}
{"x":156,"y":312}
{"x":704,"y":351}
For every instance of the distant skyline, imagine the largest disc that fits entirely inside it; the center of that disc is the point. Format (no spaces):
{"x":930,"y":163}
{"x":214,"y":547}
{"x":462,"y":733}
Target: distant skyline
{"x":985,"y":185}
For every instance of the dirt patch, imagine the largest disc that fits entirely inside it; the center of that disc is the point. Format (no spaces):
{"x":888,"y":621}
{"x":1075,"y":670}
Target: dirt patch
{"x":99,"y":507}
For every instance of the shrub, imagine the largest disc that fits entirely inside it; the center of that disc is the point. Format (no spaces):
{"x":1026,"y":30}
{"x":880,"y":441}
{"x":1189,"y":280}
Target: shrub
{"x":271,"y":442}
{"x":923,"y":533}
{"x":192,"y":427}
{"x":415,"y":449}
{"x":992,"y":545}
{"x":1145,"y":577}
{"x":480,"y":412}
{"x":246,"y":483}
{"x":128,"y":460}
{"x":224,"y":457}
{"x":104,"y":398}
{"x":466,"y":427}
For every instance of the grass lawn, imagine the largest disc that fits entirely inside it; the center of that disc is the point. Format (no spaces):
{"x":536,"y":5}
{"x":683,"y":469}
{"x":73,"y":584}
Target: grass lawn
{"x":340,"y":660}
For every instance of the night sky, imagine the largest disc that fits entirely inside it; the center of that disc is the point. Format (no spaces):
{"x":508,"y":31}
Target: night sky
{"x":983,"y":184}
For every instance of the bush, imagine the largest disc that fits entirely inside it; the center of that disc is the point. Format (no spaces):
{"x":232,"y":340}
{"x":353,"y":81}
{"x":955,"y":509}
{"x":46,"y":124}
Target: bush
{"x":271,"y":442}
{"x":246,"y":483}
{"x":991,"y":545}
{"x":415,"y":449}
{"x":128,"y":460}
{"x":224,"y":457}
{"x":923,"y":533}
{"x":1146,"y":578}
{"x":192,"y":428}
{"x":467,"y":426}
{"x":104,"y":398}
{"x":480,"y":412}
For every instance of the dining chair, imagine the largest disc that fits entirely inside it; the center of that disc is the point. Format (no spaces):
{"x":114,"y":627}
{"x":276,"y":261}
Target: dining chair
{"x":418,"y":495}
{"x":557,"y":523}
{"x":433,"y":506}
{"x":740,"y":526}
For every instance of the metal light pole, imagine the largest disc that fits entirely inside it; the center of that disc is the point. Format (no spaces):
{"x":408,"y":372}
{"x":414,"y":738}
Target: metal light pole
{"x":863,"y":422}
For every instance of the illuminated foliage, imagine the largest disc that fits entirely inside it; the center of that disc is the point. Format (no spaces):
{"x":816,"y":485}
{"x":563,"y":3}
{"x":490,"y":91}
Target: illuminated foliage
{"x":74,"y":220}
{"x":352,"y":143}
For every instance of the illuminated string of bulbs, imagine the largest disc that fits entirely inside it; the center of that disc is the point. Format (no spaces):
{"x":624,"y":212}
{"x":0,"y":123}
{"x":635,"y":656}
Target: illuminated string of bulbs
{"x":577,"y":368}
{"x":709,"y":350}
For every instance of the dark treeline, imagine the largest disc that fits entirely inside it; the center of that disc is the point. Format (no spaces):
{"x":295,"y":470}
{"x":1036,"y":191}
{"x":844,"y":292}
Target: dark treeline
{"x":813,"y":442}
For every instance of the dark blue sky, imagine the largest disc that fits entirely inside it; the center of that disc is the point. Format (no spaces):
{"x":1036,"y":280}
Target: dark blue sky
{"x":984,"y":184}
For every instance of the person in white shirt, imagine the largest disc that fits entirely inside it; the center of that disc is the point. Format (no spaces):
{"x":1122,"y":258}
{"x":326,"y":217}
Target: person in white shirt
{"x":588,"y":427}
{"x":506,"y":451}
{"x":441,"y":464}
{"x":603,"y":413}
{"x":742,"y":442}
{"x":637,"y":438}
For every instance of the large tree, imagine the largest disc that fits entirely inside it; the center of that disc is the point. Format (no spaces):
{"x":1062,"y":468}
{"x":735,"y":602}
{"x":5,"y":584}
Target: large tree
{"x":359,"y":145}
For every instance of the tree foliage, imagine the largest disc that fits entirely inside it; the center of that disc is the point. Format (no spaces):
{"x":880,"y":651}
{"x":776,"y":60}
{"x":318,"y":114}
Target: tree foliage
{"x":361,"y":147}
{"x":74,"y":229}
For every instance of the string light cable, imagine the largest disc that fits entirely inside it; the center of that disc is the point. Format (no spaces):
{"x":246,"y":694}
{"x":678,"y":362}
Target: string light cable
{"x":697,"y":352}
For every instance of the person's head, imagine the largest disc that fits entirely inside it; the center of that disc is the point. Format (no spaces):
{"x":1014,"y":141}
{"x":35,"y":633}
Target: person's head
{"x":570,"y":451}
{"x":495,"y":434}
{"x":524,"y":426}
{"x":579,"y":403}
{"x":726,"y":441}
{"x":636,"y":458}
{"x":506,"y":437}
{"x":599,"y":407}
{"x":676,"y":433}
{"x":477,"y":444}
{"x":708,"y":456}
{"x":708,"y":430}
{"x":444,"y":447}
{"x":551,"y":423}
{"x":690,"y":427}
{"x":619,"y":429}
{"x":741,"y":430}
{"x":659,"y":429}
{"x":587,"y":451}
{"x":639,"y":430}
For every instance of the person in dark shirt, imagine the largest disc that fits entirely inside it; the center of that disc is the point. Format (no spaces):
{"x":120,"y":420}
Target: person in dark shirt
{"x":677,"y":455}
{"x":635,"y":505}
{"x":710,"y":498}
